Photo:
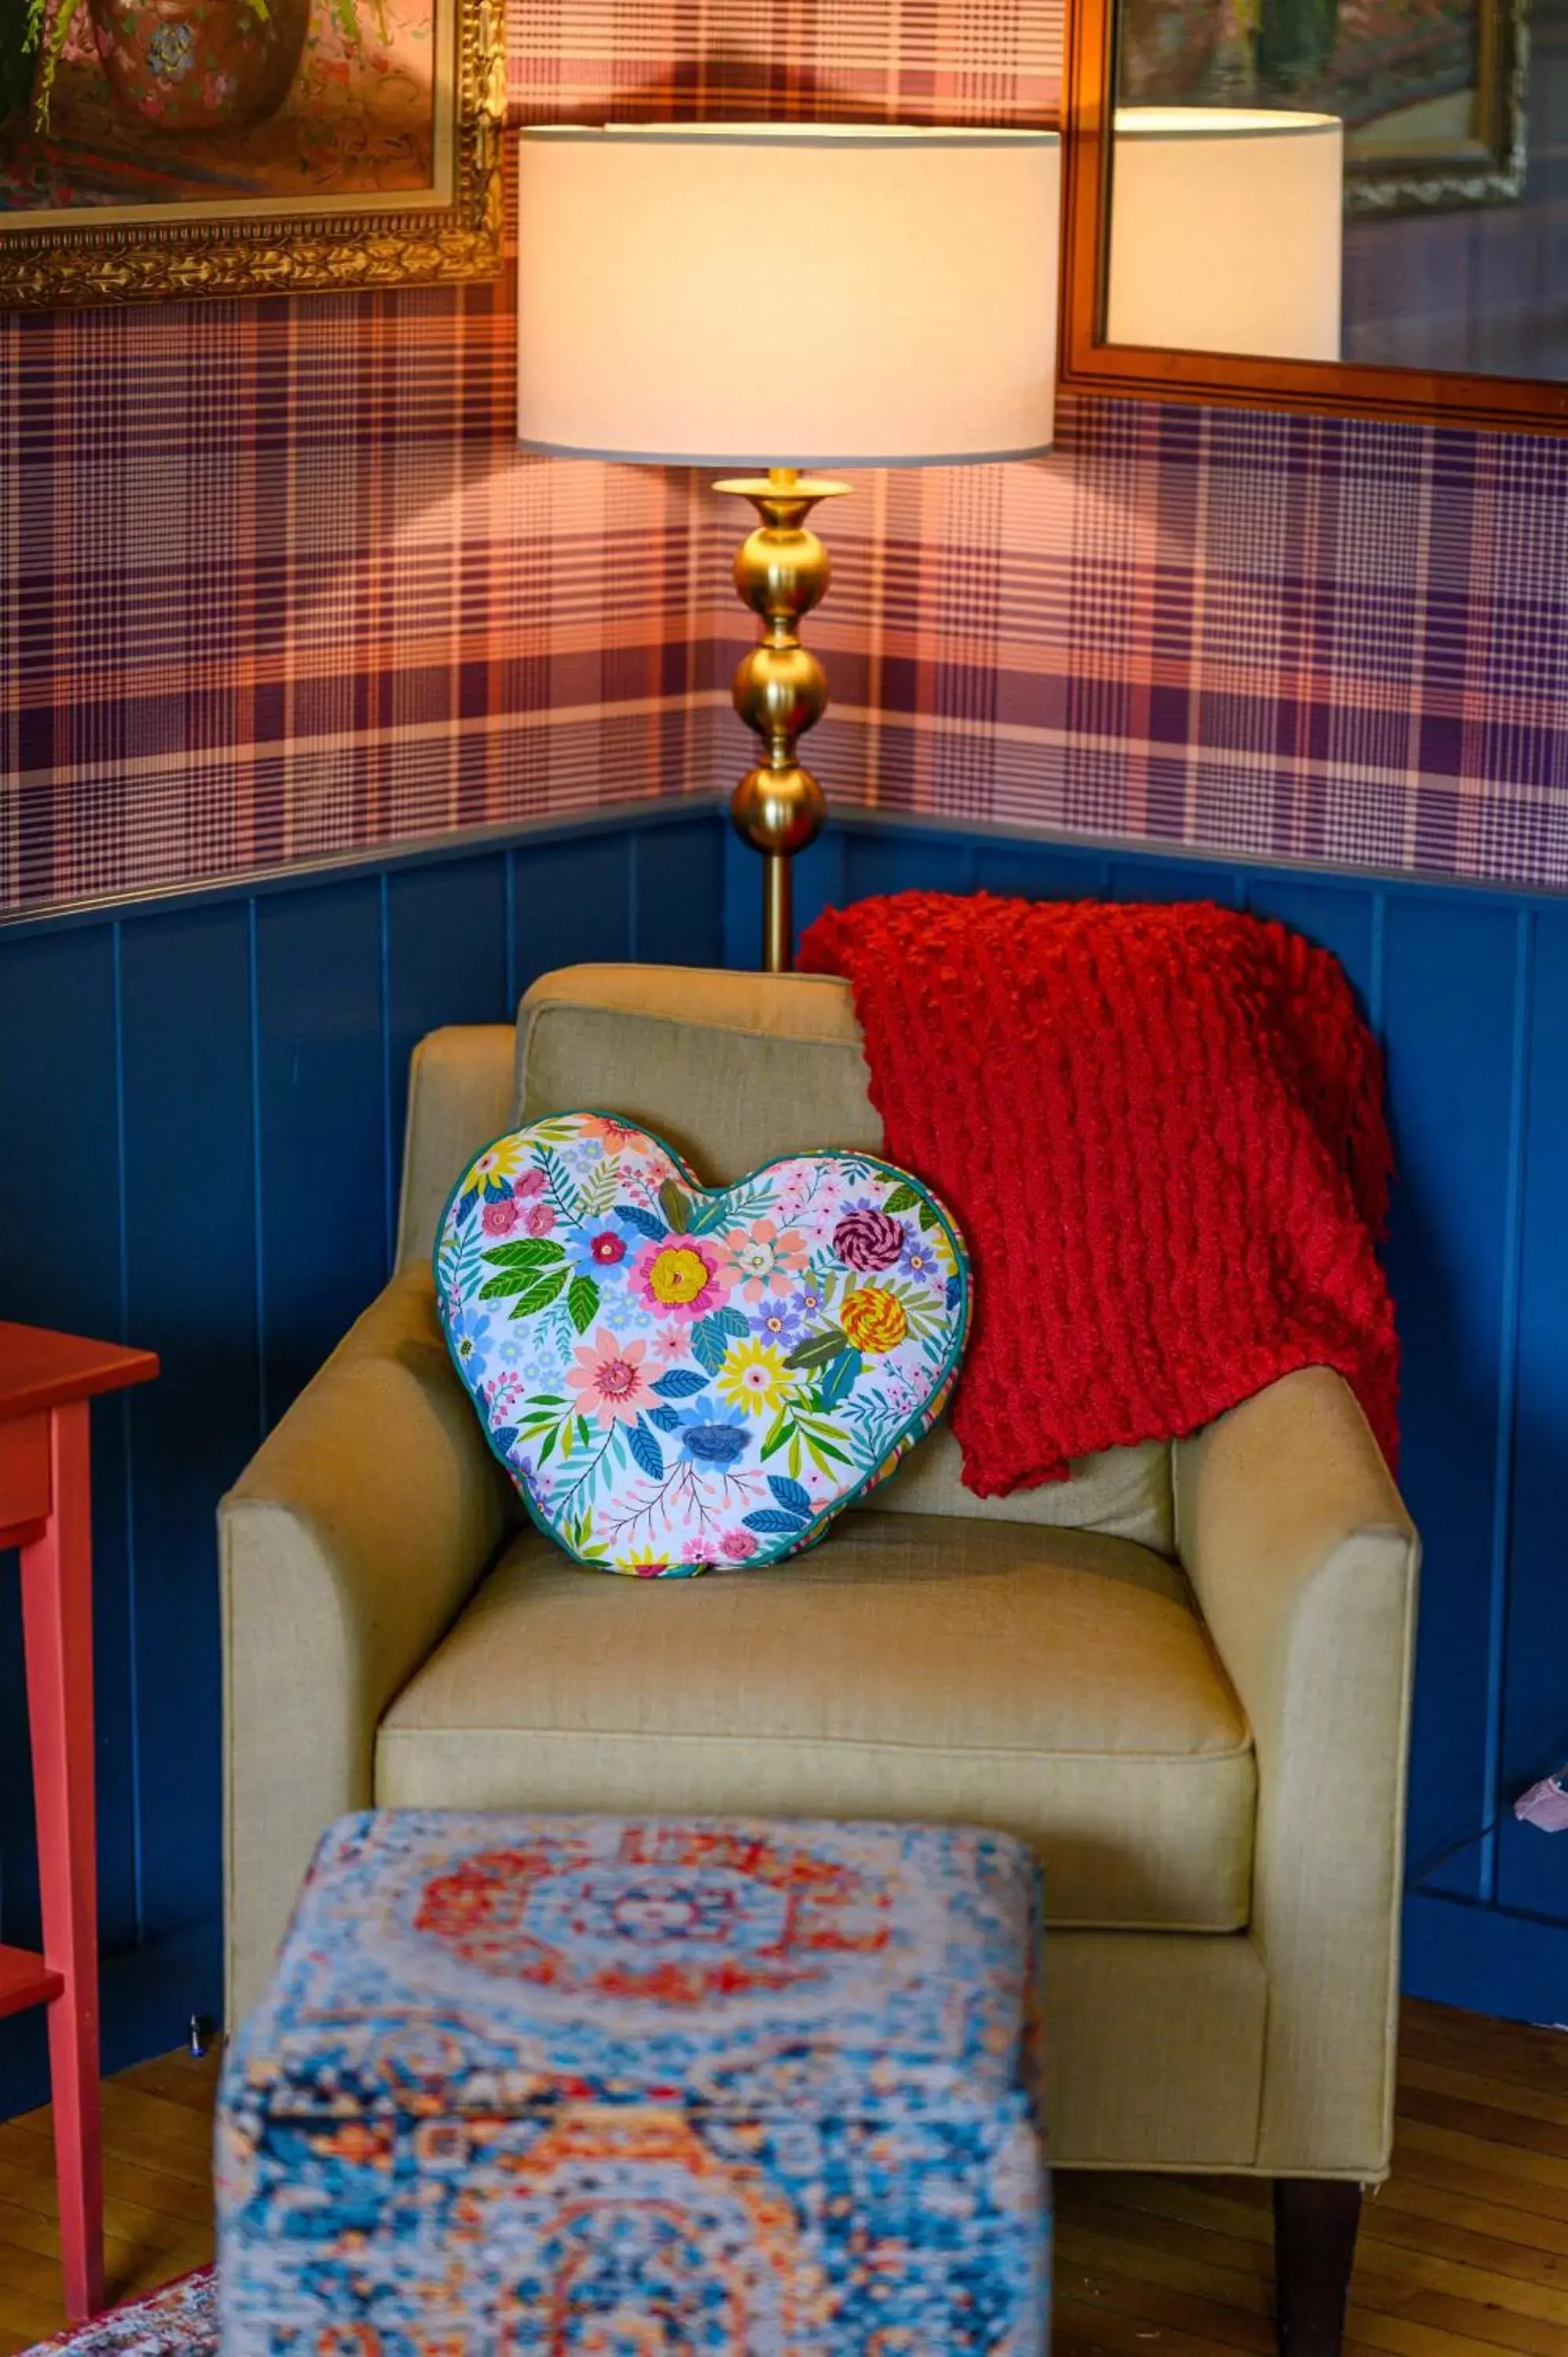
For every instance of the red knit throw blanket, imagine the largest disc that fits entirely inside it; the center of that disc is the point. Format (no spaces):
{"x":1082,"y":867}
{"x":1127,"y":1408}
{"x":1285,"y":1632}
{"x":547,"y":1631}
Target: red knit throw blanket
{"x":1162,"y":1131}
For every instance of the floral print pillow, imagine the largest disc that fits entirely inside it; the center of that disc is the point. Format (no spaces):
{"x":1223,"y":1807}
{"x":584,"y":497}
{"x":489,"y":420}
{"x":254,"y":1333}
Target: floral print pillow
{"x":681,"y":1378}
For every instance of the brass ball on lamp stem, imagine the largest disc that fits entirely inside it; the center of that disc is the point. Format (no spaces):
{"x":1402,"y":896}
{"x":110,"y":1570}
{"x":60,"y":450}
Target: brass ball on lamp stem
{"x":778,"y":811}
{"x":781,"y":571}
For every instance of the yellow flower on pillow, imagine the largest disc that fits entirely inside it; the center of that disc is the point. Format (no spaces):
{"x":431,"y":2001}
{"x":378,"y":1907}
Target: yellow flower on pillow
{"x":873,"y":1320}
{"x":647,"y":1563}
{"x":490,"y":1172}
{"x":754,"y":1377}
{"x":679,"y":1277}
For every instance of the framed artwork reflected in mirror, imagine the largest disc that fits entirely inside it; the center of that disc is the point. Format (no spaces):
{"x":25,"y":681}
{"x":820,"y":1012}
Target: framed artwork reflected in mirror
{"x":1433,"y":274}
{"x":1432,"y":92}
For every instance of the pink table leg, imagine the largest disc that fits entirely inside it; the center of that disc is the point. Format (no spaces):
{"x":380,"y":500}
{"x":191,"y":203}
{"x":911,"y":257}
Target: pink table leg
{"x":57,"y":1618}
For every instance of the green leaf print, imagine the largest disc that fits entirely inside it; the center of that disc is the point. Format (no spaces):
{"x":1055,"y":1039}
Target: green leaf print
{"x":600,"y":1190}
{"x":818,"y":1349}
{"x":839,"y":1377}
{"x":538,"y":1296}
{"x":675,"y":1206}
{"x":536,"y":1252}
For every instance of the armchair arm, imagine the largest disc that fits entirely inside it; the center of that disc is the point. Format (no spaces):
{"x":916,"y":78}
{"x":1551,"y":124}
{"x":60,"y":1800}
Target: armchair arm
{"x":1303,"y":1561}
{"x":346,"y":1548}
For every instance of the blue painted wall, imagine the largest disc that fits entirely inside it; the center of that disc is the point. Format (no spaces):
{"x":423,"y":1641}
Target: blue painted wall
{"x":200,"y":1117}
{"x":201,"y":1105}
{"x":1468,"y":989}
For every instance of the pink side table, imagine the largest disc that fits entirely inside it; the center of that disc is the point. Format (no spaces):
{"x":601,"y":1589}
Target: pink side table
{"x":46,"y":1383}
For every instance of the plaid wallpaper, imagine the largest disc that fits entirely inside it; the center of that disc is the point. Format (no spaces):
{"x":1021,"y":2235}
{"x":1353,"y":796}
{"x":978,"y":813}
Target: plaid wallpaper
{"x":278,"y":583}
{"x":1306,"y":637}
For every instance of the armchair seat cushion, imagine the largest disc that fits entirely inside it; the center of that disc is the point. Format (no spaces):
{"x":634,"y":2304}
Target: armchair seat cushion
{"x":1057,"y":1684}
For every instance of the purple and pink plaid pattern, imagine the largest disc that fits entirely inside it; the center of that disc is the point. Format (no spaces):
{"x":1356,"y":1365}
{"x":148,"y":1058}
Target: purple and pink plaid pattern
{"x":885,"y":60}
{"x":1308,"y":639}
{"x":278,"y":581}
{"x":280,"y":585}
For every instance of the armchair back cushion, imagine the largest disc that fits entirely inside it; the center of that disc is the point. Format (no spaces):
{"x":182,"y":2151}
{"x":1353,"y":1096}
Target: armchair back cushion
{"x":733,"y":1069}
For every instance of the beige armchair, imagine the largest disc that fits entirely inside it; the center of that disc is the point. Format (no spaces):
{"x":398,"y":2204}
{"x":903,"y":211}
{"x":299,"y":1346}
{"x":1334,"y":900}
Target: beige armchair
{"x":1184,"y":1676}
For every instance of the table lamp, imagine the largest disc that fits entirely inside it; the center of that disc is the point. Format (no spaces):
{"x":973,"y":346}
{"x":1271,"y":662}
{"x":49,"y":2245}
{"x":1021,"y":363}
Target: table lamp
{"x":1227,"y":226}
{"x":777,"y":297}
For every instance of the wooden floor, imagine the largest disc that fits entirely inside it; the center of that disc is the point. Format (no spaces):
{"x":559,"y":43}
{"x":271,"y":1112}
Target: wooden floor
{"x":1463,"y":2253}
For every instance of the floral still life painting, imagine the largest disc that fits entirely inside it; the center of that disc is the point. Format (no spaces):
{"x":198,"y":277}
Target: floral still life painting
{"x":681,"y":1379}
{"x":224,"y":147}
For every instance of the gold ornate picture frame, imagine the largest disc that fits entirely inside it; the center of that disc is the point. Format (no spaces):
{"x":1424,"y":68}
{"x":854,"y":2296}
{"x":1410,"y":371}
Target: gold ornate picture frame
{"x":172,"y":149}
{"x":1469,"y":149}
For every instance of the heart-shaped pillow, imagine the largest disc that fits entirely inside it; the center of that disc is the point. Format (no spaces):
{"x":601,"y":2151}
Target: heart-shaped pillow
{"x":680,"y":1378}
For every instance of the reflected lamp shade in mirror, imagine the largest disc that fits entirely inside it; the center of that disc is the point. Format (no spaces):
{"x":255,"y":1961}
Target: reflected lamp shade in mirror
{"x":1226,"y":232}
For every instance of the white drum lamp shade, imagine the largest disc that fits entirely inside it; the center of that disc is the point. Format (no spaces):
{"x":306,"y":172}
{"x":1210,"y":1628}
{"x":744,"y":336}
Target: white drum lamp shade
{"x":804,"y":294}
{"x":1226,"y":232}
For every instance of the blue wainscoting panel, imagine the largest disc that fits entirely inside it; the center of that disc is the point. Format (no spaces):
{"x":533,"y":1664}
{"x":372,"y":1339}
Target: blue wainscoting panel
{"x":1344,"y":918}
{"x":1450,"y":1013}
{"x":678,"y":888}
{"x":1042,"y":871}
{"x":61,"y":1192}
{"x":820,"y":883}
{"x":190,"y":1281}
{"x":571,"y":901}
{"x":324,"y":1119}
{"x":1468,"y":990}
{"x":1175,"y":879}
{"x":200,"y":1117}
{"x":200,"y":1135}
{"x":889,"y":862}
{"x":59,"y":1125}
{"x":652,"y":892}
{"x":447,"y":932}
{"x":1488,"y":1959}
{"x":1532,"y":1870}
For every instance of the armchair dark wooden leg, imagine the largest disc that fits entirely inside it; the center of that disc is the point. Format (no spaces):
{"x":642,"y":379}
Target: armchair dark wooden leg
{"x":1315,"y":2221}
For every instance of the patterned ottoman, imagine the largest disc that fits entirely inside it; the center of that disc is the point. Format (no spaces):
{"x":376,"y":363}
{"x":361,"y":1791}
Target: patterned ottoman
{"x":640,"y":2088}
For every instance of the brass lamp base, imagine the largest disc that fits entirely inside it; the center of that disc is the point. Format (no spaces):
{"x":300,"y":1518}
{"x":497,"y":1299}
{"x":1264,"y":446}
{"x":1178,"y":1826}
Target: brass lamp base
{"x":781,"y":571}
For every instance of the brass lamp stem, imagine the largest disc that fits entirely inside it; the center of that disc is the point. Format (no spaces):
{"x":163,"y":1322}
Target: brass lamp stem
{"x":781,"y":571}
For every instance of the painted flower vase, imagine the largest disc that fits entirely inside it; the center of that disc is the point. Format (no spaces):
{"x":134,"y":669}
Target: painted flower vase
{"x":199,"y":65}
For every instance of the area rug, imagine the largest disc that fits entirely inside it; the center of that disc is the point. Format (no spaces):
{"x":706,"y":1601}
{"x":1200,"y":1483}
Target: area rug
{"x":181,"y":2320}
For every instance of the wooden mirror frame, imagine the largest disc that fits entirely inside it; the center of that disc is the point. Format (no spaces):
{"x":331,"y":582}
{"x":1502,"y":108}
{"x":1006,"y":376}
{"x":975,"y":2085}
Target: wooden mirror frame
{"x":1341,"y":388}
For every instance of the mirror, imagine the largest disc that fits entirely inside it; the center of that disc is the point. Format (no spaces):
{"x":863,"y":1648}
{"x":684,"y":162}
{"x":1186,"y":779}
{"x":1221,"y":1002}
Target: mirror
{"x":1332,"y":204}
